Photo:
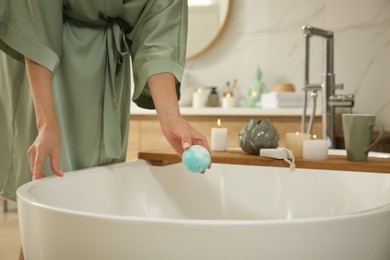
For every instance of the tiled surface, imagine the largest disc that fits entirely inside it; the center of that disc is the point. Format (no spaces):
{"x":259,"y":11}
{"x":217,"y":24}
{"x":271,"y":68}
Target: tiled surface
{"x":267,"y":33}
{"x":9,"y":233}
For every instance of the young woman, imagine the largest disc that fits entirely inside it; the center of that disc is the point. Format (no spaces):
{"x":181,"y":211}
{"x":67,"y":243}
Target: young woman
{"x":65,"y":78}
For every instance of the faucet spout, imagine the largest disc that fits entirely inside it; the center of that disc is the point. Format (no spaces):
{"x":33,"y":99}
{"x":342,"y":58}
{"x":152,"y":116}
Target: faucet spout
{"x":328,"y":86}
{"x":310,"y":31}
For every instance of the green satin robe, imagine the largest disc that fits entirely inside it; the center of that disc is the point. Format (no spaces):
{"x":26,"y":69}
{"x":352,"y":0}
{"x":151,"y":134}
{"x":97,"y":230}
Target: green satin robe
{"x":91,"y":46}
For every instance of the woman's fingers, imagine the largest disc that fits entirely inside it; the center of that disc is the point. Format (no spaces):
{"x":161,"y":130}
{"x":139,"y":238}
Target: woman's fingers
{"x":55,"y":164}
{"x":31,"y":158}
{"x":37,"y":165}
{"x":36,"y":160}
{"x":47,"y":143}
{"x":186,"y":142}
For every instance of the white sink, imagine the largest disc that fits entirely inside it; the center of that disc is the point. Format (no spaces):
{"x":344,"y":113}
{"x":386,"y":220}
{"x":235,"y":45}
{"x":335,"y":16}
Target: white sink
{"x":137,"y":211}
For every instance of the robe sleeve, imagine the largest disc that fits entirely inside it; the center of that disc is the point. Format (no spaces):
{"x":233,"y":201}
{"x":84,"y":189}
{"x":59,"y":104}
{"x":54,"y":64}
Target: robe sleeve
{"x":159,"y":41}
{"x":32,"y":29}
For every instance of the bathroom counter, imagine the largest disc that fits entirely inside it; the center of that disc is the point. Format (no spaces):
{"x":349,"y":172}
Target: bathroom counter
{"x":162,"y":157}
{"x":145,"y":131}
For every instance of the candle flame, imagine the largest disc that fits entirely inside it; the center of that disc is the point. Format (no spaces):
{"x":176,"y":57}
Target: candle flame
{"x":219,"y":122}
{"x":314,"y":137}
{"x":297,"y":133}
{"x":199,"y":90}
{"x":254,"y":93}
{"x":228,"y":95}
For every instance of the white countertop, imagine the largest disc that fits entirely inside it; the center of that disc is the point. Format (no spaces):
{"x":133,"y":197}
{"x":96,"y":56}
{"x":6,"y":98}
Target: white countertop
{"x":219,"y":111}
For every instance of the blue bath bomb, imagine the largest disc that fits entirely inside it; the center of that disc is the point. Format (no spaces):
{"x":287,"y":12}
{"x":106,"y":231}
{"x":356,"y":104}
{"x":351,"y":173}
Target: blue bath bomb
{"x":196,"y":158}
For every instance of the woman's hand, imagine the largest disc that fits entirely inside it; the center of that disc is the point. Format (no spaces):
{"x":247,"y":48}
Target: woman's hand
{"x":176,"y":130}
{"x":47,"y":143}
{"x":180,"y":135}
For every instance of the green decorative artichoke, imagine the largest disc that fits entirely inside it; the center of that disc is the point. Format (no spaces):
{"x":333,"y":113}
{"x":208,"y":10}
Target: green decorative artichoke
{"x":257,"y":135}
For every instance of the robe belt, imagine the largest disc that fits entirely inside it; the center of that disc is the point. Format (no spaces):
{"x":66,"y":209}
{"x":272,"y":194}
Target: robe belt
{"x":116,"y":52}
{"x":117,"y":49}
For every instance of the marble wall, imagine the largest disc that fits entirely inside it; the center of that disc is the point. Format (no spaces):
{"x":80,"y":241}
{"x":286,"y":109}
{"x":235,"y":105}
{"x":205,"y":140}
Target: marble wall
{"x":267,"y":33}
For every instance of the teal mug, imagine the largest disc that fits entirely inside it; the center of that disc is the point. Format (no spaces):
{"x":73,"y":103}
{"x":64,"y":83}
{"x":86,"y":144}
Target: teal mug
{"x":357,"y":130}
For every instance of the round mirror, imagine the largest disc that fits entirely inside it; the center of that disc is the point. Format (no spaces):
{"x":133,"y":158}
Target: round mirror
{"x":206,"y":21}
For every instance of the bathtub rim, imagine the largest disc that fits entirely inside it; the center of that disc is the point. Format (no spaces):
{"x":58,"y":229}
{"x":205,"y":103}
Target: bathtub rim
{"x":24,"y":197}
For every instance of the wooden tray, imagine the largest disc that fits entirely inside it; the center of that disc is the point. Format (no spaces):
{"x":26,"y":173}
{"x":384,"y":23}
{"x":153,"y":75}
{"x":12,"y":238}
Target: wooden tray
{"x":162,"y":157}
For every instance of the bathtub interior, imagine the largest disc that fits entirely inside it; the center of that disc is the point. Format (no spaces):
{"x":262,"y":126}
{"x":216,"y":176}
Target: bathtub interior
{"x":226,"y":192}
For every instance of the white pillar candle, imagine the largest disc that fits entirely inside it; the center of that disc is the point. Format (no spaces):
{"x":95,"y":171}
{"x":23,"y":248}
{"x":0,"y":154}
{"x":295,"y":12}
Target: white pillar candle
{"x":294,"y":142}
{"x":219,"y":138}
{"x":315,"y":149}
{"x":197,"y":99}
{"x":227,"y":101}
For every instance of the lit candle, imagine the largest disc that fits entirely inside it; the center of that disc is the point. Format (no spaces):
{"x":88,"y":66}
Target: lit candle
{"x":315,"y":149}
{"x":197,"y":99}
{"x":294,"y":142}
{"x":227,"y":101}
{"x":253,"y":99}
{"x":219,"y":138}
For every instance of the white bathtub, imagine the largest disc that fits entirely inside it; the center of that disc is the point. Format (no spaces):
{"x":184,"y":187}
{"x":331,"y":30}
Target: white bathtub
{"x":234,"y":212}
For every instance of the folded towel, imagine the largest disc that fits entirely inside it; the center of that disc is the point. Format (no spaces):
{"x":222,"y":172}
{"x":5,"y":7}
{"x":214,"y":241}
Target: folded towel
{"x":282,"y":99}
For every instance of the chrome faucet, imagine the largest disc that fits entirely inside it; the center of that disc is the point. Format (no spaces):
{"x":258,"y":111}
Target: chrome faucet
{"x":328,"y":86}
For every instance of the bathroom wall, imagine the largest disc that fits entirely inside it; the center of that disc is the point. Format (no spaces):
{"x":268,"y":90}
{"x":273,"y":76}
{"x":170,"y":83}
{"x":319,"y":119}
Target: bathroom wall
{"x":267,"y":33}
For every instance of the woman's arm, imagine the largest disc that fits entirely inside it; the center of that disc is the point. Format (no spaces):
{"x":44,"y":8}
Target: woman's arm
{"x":176,"y":130}
{"x":48,"y":141}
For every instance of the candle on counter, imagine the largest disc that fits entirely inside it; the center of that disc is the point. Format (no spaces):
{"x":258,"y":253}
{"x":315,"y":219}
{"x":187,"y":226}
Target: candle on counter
{"x":227,"y":101}
{"x":315,"y":149}
{"x":197,"y":98}
{"x":219,"y":138}
{"x":253,"y":99}
{"x":294,"y":142}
